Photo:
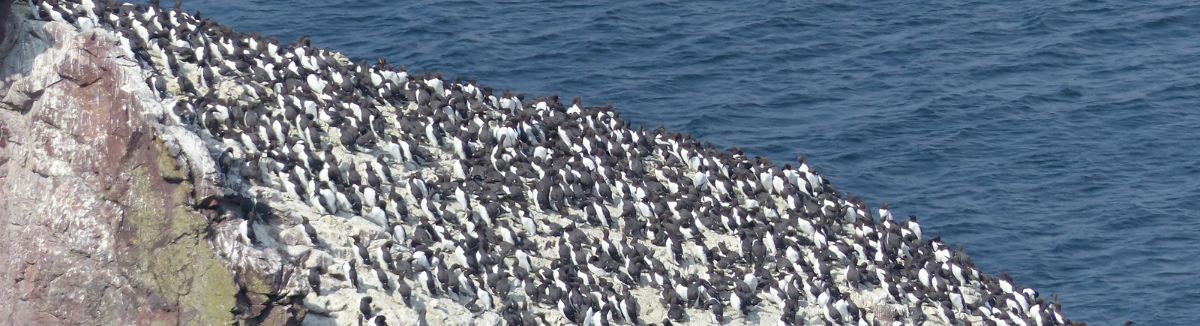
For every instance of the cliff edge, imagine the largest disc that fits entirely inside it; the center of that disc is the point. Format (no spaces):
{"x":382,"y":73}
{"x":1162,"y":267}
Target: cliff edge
{"x":103,"y":219}
{"x":159,"y":168}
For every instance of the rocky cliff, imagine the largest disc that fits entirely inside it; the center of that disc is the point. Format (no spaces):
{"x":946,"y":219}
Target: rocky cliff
{"x":104,"y":216}
{"x":157,"y":168}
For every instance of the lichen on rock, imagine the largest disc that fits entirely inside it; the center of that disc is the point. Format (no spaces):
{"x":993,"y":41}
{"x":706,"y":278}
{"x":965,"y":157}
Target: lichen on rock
{"x":98,"y":222}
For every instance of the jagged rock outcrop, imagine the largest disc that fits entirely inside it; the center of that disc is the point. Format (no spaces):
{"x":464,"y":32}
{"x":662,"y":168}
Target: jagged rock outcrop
{"x":102,"y":213}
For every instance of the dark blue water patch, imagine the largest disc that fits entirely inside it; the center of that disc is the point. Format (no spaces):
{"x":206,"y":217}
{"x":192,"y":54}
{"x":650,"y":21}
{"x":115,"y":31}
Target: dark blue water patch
{"x":1054,"y":140}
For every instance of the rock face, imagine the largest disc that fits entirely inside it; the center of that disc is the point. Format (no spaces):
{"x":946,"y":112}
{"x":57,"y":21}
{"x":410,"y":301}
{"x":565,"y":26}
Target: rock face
{"x":5,"y":10}
{"x":100,"y":217}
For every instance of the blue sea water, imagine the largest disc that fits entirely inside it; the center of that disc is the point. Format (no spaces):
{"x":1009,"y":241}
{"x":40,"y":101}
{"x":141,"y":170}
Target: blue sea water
{"x":1057,"y":141}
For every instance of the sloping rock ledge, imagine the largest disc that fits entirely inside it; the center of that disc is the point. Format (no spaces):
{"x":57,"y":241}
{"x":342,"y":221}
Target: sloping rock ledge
{"x":130,"y":194}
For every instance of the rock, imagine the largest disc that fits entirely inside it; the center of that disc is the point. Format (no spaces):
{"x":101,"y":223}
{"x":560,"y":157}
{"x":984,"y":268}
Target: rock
{"x":114,"y":209}
{"x":5,"y":11}
{"x":97,"y":221}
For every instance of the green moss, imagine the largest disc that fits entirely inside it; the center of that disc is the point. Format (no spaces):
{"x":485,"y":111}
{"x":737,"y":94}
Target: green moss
{"x":147,"y":219}
{"x":212,"y":298}
{"x":170,"y":170}
{"x":171,"y":256}
{"x":184,"y":222}
{"x":258,"y":285}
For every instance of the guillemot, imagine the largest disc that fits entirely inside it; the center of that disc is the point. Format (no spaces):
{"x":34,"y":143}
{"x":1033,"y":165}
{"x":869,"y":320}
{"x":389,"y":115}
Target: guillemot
{"x":535,"y":157}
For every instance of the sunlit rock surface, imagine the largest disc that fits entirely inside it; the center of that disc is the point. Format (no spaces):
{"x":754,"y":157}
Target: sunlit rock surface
{"x":137,"y":189}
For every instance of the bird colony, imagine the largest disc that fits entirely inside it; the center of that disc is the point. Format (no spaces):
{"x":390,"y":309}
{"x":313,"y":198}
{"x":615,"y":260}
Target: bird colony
{"x":409,"y":199}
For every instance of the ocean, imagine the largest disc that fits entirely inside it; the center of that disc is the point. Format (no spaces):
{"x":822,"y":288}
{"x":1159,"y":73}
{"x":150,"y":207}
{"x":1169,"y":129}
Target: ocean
{"x":1056,"y":141}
